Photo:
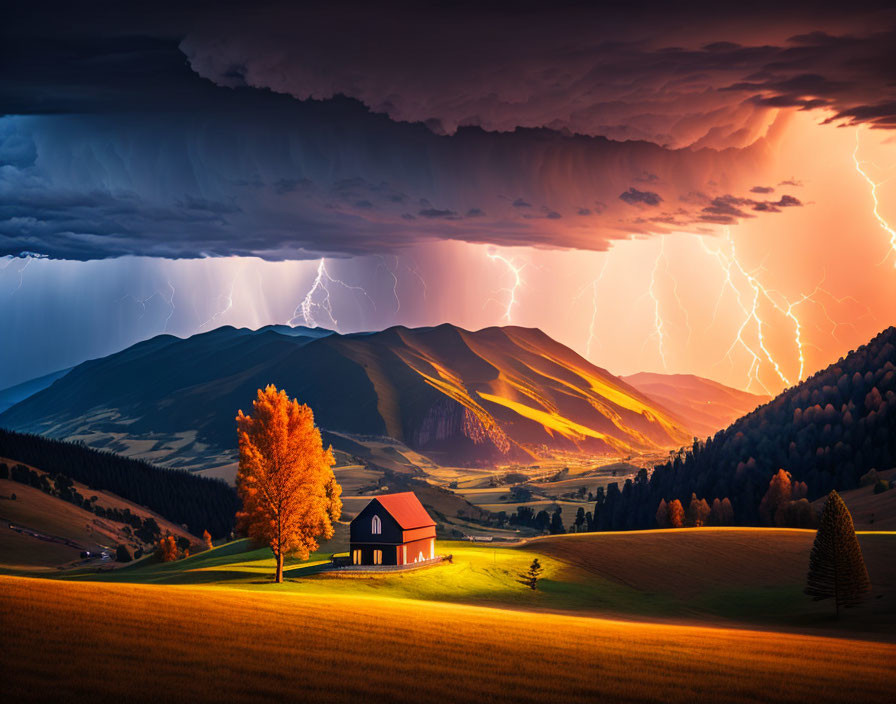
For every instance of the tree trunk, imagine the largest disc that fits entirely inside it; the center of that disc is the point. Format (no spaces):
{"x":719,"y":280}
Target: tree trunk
{"x":279,"y":577}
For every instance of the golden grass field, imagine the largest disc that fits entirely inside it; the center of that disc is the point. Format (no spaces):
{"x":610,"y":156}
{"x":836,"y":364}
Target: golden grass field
{"x":127,"y":642}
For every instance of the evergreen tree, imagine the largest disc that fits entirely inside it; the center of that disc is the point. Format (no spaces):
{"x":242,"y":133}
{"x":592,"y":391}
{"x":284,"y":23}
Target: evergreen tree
{"x":557,"y":522}
{"x":836,"y":567}
{"x":662,"y":515}
{"x":531,"y":576}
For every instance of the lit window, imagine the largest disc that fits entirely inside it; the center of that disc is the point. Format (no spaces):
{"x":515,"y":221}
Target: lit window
{"x":356,"y":557}
{"x":376,"y":525}
{"x":377,"y":557}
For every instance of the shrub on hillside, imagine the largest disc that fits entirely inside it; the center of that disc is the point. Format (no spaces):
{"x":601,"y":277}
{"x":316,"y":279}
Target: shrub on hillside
{"x":869,"y":478}
{"x":122,"y":554}
{"x":167,"y":549}
{"x":881,"y":486}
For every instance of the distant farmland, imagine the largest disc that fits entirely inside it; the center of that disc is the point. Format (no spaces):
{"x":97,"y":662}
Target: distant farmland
{"x":96,"y":642}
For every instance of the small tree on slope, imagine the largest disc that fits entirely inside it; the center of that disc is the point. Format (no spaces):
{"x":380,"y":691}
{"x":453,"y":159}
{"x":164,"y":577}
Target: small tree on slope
{"x":531,"y":576}
{"x":836,"y":567}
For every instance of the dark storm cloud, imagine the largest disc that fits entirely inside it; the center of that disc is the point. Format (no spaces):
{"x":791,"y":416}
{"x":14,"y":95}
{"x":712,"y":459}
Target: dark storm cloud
{"x":729,"y":209}
{"x":221,"y":129}
{"x":635,"y":197}
{"x":436,"y":213}
{"x":310,"y":179}
{"x":702,"y":75}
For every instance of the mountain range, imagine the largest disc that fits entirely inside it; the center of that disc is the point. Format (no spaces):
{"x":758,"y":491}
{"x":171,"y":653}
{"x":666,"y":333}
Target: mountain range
{"x":497,"y":394}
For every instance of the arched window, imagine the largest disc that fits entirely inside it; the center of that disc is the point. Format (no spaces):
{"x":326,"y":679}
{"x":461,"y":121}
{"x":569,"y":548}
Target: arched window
{"x":376,"y":525}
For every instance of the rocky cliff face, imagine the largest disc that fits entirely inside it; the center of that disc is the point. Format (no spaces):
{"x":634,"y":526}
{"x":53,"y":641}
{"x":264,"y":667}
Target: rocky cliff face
{"x":448,"y":421}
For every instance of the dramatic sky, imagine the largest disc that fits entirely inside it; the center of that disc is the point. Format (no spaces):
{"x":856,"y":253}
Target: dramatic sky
{"x":703,"y":190}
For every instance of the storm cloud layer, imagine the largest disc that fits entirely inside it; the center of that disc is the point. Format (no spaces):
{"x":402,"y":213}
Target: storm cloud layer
{"x":670,"y":75}
{"x":158,"y":133}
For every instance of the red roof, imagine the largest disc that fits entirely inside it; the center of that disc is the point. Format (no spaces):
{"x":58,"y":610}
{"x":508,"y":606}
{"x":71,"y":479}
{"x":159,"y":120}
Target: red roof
{"x":406,"y":509}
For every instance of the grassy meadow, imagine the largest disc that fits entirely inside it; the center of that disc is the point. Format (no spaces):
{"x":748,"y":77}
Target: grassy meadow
{"x":131,"y":642}
{"x":725,"y":576}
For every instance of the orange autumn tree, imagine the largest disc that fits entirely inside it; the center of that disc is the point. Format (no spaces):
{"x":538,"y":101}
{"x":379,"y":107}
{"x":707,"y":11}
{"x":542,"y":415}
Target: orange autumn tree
{"x":285,"y":479}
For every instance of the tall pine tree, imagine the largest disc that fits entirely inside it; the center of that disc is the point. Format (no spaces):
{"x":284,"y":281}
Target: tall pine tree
{"x":836,"y":566}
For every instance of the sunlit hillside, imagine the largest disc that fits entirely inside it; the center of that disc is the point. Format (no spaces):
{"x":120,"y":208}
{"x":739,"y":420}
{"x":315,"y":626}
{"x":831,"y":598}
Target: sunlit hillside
{"x":498,"y":394}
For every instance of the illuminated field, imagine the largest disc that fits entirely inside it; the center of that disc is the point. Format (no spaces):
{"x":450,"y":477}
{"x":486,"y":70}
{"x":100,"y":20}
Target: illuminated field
{"x":711,"y":575}
{"x":139,"y":643}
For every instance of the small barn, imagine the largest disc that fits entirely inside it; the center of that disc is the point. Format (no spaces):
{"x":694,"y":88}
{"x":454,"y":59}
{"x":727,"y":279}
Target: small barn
{"x":393,"y":529}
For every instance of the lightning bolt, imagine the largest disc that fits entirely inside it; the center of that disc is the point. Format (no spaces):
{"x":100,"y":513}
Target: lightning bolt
{"x":514,"y":269}
{"x":170,"y":304}
{"x":750,"y":302}
{"x":419,"y":276}
{"x":730,"y":265}
{"x":321,"y":282}
{"x":143,"y":301}
{"x":394,"y":275}
{"x":885,"y":226}
{"x":657,"y":315}
{"x":228,"y":303}
{"x":21,"y":276}
{"x":595,"y":283}
{"x":27,"y":256}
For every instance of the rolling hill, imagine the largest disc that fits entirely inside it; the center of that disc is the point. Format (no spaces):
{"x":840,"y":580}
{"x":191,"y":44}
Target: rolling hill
{"x":43,"y":532}
{"x":707,"y":614}
{"x":142,"y":643}
{"x":467,"y":397}
{"x":705,"y":405}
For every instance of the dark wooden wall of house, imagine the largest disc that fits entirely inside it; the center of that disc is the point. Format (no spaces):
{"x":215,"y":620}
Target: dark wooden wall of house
{"x":360,"y":526}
